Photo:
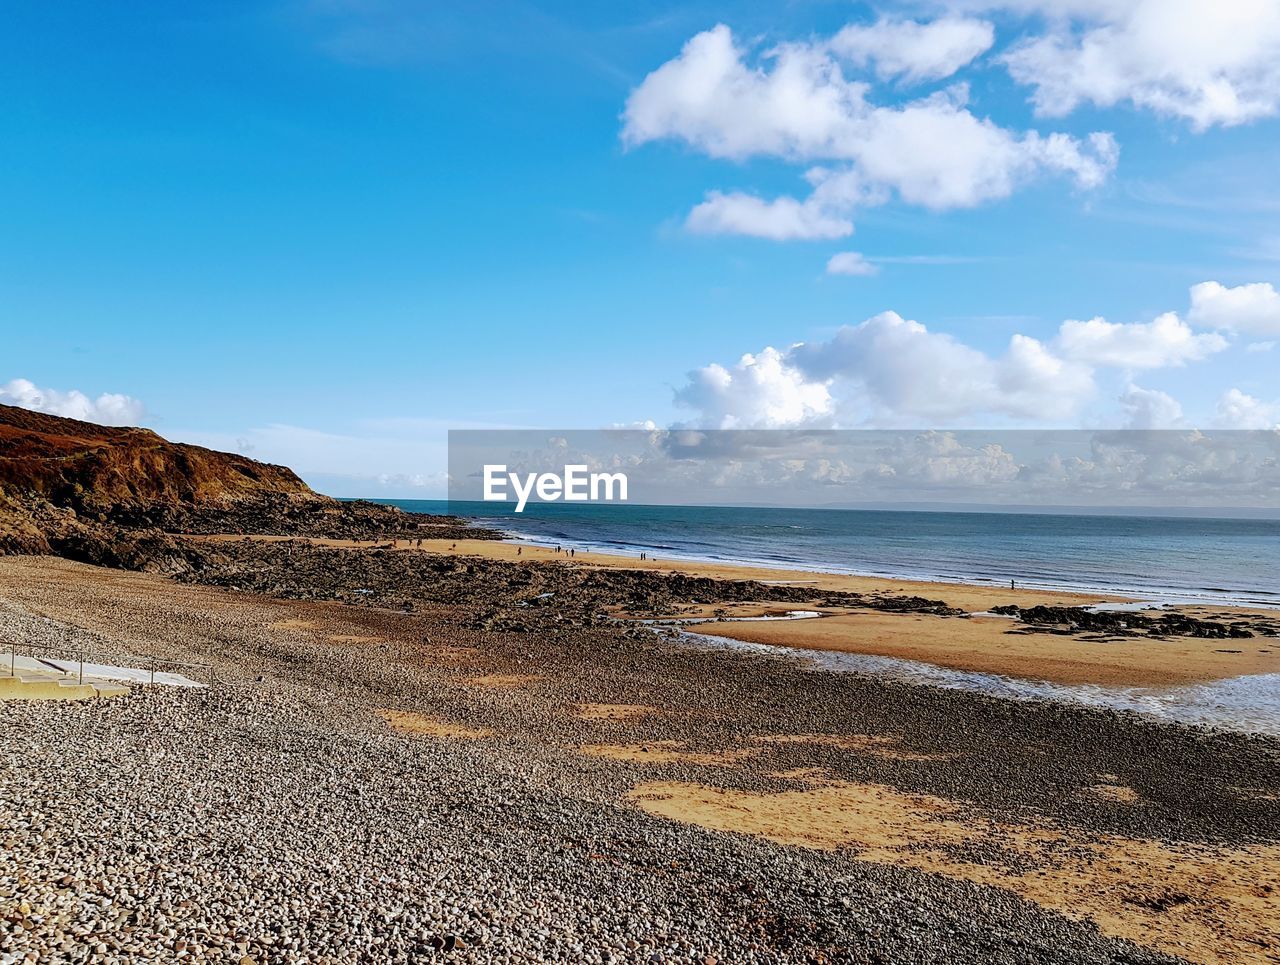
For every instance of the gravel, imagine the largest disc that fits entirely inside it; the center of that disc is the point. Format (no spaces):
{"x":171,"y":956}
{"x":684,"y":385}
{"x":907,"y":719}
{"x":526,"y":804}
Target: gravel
{"x":275,"y":817}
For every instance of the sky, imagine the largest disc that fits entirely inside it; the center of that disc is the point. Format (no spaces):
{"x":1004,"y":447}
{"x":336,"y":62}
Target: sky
{"x":324,"y":232}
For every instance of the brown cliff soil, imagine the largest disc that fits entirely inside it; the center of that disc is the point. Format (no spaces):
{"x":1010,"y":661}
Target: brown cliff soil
{"x":120,"y":497}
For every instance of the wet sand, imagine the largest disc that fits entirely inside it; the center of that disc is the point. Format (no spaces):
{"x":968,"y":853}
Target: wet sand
{"x":710,"y":790}
{"x":1159,"y":896}
{"x":970,"y":597}
{"x":991,"y":645}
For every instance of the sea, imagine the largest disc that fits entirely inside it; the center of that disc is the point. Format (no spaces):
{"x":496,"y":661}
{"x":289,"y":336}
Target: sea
{"x":1154,"y":558}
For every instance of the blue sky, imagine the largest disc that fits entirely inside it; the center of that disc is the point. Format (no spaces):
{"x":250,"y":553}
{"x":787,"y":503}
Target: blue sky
{"x":324,"y":232}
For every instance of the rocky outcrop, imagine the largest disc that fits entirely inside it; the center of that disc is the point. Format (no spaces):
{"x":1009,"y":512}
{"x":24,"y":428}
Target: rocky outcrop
{"x":108,"y":472}
{"x":123,"y":497}
{"x":1076,"y":619}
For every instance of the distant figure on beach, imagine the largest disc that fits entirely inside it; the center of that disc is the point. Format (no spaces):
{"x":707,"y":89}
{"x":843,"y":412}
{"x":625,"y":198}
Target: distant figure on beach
{"x":519,"y":550}
{"x":571,"y":552}
{"x":1013,"y":584}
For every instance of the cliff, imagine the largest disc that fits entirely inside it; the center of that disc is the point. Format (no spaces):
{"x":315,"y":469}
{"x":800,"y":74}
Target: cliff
{"x":106,"y":471}
{"x":125,"y":497}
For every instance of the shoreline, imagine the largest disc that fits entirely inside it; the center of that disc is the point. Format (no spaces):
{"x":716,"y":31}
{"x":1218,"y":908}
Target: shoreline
{"x":847,"y":802}
{"x":975,"y":644}
{"x":1166,"y":596}
{"x":505,"y":549}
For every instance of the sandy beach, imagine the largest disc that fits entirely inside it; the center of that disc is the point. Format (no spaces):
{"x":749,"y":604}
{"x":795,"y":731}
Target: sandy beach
{"x":690,"y":804}
{"x":958,"y":594}
{"x":983,"y":644}
{"x":474,"y":750}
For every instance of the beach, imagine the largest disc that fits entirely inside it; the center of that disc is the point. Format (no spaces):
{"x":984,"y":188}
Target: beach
{"x":366,"y":783}
{"x":483,"y":751}
{"x":981,"y":644}
{"x":664,"y":484}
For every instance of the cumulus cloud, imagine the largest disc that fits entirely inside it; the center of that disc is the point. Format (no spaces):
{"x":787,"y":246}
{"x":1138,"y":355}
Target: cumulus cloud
{"x":893,"y":371}
{"x":1251,"y":309}
{"x":1149,"y":408}
{"x":783,"y":219}
{"x":1207,"y":63}
{"x":1167,"y":340}
{"x":850,"y":263}
{"x":914,"y":51}
{"x":795,"y":103}
{"x":886,"y":370}
{"x":110,"y":408}
{"x":1238,"y":410}
{"x":935,"y":459}
{"x":710,"y":98}
{"x":764,"y":390}
{"x":903,"y":371}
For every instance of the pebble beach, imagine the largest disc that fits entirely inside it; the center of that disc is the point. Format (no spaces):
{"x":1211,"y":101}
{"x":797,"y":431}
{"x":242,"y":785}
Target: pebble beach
{"x":367,"y":784}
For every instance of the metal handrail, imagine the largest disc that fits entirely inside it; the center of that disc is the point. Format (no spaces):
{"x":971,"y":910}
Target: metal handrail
{"x":79,"y":654}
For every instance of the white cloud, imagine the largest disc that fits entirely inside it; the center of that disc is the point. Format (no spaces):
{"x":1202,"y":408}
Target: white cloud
{"x":1208,"y":63}
{"x":914,"y":51}
{"x":1252,"y":309}
{"x":110,"y":408}
{"x":796,"y":104}
{"x":893,"y":371}
{"x":783,"y":219}
{"x":1237,"y":410}
{"x":1185,"y":467}
{"x":710,"y":98}
{"x":935,"y":460}
{"x":761,"y":391}
{"x":900,"y":371}
{"x":1166,"y":340}
{"x":850,"y":263}
{"x":1150,"y":409}
{"x":886,"y":370}
{"x":900,"y":149}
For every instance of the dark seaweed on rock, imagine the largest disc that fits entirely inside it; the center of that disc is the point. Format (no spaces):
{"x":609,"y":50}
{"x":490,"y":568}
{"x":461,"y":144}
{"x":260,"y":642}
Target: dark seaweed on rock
{"x":502,"y":594}
{"x":1080,"y":619}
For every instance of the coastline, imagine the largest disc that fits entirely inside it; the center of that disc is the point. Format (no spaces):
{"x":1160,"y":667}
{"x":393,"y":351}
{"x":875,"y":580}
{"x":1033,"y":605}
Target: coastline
{"x":1052,"y":831}
{"x":968,"y":644}
{"x":968,"y":595}
{"x":1094,"y":570}
{"x":977,"y":644}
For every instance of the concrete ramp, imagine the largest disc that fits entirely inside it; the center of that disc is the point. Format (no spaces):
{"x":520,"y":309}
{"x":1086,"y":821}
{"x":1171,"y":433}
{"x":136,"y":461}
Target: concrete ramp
{"x":42,"y":678}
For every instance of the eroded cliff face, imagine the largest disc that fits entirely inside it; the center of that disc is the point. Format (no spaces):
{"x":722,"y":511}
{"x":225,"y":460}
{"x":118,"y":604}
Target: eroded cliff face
{"x":125,"y":497}
{"x":107,"y":495}
{"x":102,"y":470}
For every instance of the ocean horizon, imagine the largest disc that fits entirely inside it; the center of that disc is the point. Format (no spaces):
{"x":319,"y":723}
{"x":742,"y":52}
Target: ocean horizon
{"x":1165,"y":559}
